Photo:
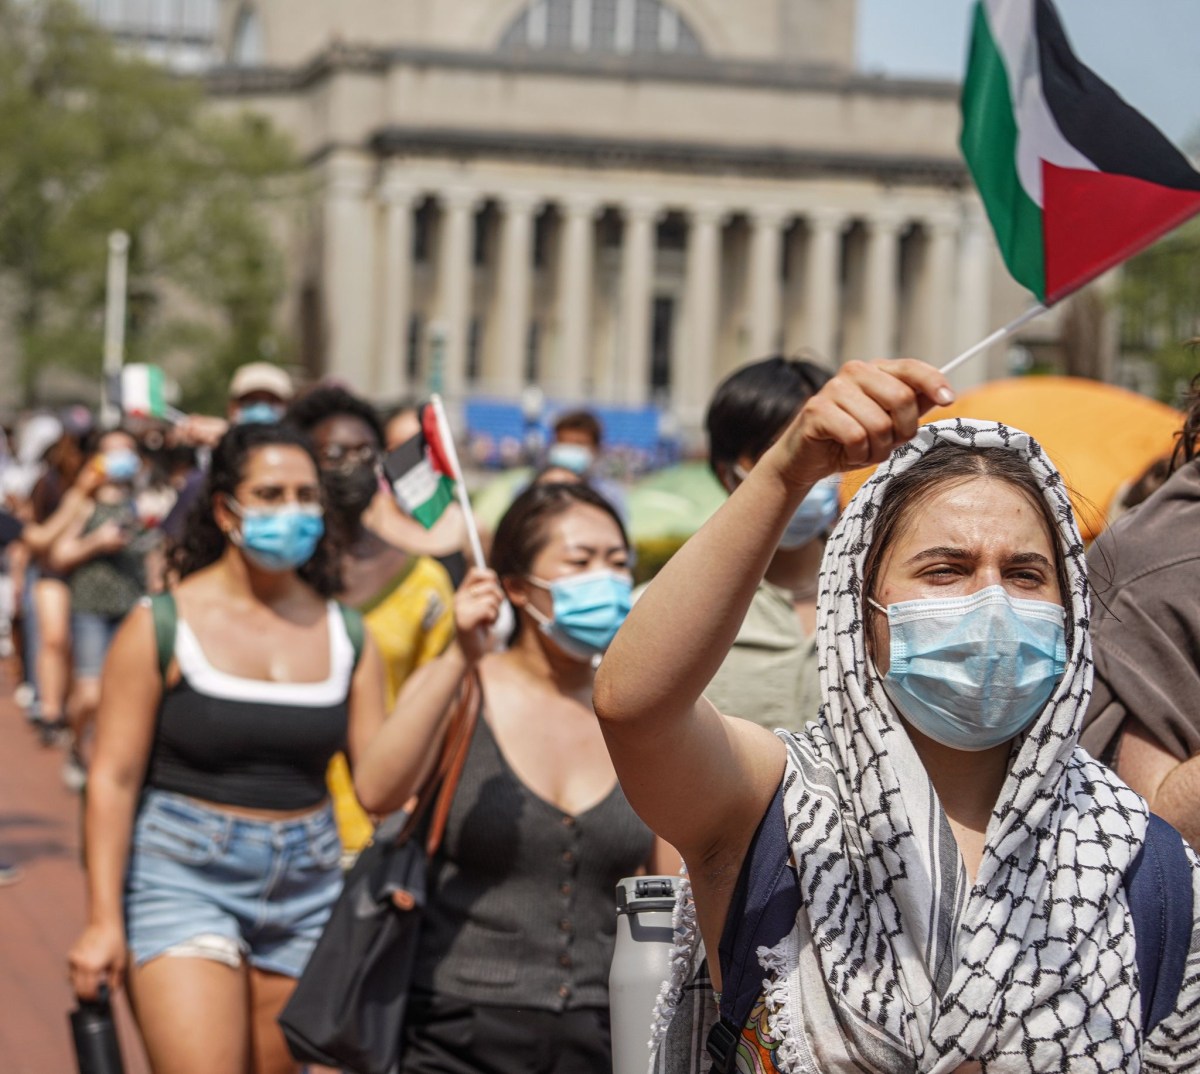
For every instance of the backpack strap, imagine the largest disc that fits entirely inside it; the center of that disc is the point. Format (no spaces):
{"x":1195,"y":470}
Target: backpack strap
{"x":162,"y":610}
{"x":1158,"y":887}
{"x":355,"y":629}
{"x":761,"y":913}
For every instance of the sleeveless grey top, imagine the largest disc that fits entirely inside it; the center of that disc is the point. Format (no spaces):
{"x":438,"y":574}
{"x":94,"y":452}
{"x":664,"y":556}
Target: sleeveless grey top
{"x":521,"y":906}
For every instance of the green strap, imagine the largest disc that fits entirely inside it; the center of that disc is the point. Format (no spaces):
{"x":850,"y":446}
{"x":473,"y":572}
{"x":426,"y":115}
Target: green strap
{"x":162,"y":608}
{"x":354,"y":630}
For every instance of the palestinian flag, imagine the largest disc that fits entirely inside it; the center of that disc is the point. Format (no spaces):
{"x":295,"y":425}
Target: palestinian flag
{"x":144,"y":391}
{"x":1074,"y":180}
{"x":421,"y":473}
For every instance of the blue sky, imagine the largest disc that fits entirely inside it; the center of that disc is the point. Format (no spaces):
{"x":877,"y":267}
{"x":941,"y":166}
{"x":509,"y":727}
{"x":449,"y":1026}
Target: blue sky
{"x":1149,"y":50}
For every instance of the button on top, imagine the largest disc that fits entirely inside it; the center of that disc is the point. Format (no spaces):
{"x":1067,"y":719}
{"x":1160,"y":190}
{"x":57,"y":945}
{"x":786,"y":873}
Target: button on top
{"x":568,"y":822}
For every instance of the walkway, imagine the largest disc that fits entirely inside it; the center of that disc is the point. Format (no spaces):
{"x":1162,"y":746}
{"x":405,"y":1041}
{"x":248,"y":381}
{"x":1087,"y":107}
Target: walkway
{"x":41,"y":914}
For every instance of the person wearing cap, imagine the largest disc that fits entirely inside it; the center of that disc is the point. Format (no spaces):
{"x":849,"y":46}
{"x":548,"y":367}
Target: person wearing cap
{"x":259,"y":392}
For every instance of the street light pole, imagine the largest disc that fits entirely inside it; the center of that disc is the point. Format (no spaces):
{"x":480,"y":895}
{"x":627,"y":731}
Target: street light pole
{"x":114,"y":326}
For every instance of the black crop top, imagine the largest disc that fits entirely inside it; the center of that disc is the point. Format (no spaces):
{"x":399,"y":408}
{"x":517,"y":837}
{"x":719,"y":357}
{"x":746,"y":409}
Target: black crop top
{"x":248,"y":742}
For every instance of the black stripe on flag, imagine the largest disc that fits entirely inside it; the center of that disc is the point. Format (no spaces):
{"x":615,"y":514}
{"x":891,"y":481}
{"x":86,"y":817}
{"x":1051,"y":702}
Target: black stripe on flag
{"x":1097,"y":121}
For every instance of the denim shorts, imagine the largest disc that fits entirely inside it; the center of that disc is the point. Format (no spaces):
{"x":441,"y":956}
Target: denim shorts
{"x":91,"y":635}
{"x":261,"y":888}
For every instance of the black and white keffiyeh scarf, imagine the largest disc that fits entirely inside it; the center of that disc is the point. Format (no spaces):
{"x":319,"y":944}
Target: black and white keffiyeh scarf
{"x":897,"y":964}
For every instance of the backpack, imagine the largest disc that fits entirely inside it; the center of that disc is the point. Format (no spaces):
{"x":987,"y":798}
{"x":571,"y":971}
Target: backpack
{"x":1158,"y":885}
{"x":162,"y":609}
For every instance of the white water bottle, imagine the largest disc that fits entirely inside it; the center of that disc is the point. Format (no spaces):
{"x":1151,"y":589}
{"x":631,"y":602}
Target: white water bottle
{"x":641,"y":963}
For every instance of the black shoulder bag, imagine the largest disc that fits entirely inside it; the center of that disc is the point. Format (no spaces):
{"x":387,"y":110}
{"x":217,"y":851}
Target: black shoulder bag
{"x":348,"y":1007}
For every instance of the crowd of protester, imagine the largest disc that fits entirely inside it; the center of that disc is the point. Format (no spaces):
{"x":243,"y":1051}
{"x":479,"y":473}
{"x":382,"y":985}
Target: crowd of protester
{"x":248,"y":654}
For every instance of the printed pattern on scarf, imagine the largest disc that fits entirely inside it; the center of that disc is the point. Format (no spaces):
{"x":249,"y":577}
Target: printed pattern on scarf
{"x":898,"y":964}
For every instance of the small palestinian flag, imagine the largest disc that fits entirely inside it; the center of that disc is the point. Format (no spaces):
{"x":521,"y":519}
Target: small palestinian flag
{"x":144,"y":391}
{"x":1074,"y":180}
{"x":421,"y":473}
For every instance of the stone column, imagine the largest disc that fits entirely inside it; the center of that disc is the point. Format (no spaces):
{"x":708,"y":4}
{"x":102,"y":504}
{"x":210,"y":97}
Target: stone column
{"x":937,"y":327}
{"x":395,"y":300}
{"x":637,"y":282}
{"x":766,"y":282}
{"x":349,"y":255}
{"x":576,"y":264}
{"x":454,"y":286}
{"x":693,"y":380}
{"x":882,"y":285}
{"x":971,"y":323}
{"x":822,"y":281}
{"x":514,"y":287}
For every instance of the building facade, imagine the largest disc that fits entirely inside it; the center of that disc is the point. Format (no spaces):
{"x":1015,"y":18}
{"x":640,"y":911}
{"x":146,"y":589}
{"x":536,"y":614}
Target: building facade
{"x":615,"y":200}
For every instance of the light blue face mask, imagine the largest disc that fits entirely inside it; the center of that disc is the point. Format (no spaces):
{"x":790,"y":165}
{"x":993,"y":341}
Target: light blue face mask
{"x":260,"y":413}
{"x":278,"y":539}
{"x":973,"y":672}
{"x":121,"y":465}
{"x":816,"y":513}
{"x":574,"y":457}
{"x":588,"y":611}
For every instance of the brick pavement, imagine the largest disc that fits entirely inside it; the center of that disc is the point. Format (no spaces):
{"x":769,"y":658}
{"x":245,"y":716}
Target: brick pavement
{"x":42,"y":913}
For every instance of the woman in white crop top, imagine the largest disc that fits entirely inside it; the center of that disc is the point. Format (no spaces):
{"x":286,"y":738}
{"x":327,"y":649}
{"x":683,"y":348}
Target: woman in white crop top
{"x":213,"y":856}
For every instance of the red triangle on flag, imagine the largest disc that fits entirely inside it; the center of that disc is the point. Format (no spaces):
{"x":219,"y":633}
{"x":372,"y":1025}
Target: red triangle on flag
{"x":431,"y":429}
{"x":1093,"y":220}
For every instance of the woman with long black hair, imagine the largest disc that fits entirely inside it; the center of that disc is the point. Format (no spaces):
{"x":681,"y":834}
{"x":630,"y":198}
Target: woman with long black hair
{"x":212,"y":851}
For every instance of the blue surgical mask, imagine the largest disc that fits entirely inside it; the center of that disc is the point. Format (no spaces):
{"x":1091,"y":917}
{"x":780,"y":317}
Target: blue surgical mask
{"x":121,"y":465}
{"x":259,"y":414}
{"x":574,"y":457}
{"x":278,"y":539}
{"x":588,"y":610}
{"x":973,"y":672}
{"x":814,"y":515}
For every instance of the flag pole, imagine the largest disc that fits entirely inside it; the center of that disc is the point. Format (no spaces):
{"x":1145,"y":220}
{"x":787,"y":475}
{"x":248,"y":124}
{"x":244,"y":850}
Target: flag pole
{"x":460,"y":486}
{"x":995,"y":337}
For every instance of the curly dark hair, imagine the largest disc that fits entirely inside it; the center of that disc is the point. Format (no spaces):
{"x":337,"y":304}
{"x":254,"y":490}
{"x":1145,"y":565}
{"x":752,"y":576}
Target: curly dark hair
{"x":203,"y":543}
{"x":1187,"y":443}
{"x":327,"y":401}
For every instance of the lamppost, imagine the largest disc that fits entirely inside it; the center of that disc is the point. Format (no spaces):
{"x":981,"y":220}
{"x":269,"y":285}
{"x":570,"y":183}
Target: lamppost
{"x":533,"y":402}
{"x":114,"y":327}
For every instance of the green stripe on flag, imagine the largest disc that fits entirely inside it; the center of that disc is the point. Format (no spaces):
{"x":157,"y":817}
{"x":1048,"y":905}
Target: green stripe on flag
{"x":428,"y":512}
{"x":989,"y":143}
{"x":158,"y":401}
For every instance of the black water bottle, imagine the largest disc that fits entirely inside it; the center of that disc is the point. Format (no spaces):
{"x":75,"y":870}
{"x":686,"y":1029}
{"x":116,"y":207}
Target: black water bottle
{"x":95,"y":1034}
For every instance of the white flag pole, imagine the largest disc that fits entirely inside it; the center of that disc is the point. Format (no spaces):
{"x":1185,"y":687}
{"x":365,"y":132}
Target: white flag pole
{"x":995,"y":337}
{"x":460,"y":485}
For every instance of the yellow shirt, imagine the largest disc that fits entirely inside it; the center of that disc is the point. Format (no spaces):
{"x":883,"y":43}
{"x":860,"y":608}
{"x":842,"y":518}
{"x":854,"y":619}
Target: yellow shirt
{"x":411,"y":622}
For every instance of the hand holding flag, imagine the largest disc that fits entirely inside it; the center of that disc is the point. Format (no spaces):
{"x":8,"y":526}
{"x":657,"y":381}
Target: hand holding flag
{"x":426,"y":477}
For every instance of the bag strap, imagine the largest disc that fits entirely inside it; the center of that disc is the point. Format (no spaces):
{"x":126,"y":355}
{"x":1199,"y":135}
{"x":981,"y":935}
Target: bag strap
{"x":436,"y":793}
{"x":163,"y":612}
{"x":355,"y":629}
{"x":1158,"y":887}
{"x":761,"y":913}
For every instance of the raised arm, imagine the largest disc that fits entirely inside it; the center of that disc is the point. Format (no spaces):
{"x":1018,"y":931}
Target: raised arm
{"x":699,"y":779}
{"x":129,"y":695}
{"x":394,"y":762}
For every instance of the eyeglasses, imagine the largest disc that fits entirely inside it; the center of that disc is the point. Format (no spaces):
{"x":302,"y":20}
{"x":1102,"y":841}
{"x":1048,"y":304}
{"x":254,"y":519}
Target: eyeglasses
{"x":337,"y":456}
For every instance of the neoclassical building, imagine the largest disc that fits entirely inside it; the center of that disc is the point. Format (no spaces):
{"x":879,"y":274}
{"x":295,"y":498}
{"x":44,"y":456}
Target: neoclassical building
{"x":616,"y":200}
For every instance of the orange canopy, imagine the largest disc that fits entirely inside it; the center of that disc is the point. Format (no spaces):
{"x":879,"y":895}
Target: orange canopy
{"x":1098,"y":436}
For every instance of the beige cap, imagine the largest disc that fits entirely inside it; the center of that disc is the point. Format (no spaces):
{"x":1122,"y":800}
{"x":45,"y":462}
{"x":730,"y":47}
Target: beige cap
{"x":261,"y":377}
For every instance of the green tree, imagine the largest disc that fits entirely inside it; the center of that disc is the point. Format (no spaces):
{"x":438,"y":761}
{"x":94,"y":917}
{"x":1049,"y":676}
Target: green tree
{"x":92,"y":140}
{"x":1159,"y":298}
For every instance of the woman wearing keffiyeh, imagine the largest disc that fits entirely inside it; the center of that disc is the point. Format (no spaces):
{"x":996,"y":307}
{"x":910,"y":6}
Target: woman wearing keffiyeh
{"x":960,"y":861}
